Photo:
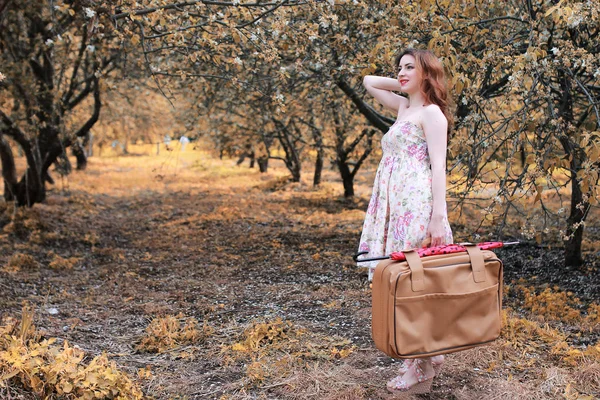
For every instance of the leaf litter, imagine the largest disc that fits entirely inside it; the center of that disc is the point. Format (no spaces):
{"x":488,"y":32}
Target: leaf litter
{"x":243,"y":287}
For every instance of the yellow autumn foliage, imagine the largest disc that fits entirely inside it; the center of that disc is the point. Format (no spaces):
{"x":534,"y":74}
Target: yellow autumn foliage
{"x":48,"y":370}
{"x":529,"y":336}
{"x":168,"y":332}
{"x":270,"y":333}
{"x":552,"y":304}
{"x":593,"y":316}
{"x":20,"y":222}
{"x":20,"y":261}
{"x":61,"y":263}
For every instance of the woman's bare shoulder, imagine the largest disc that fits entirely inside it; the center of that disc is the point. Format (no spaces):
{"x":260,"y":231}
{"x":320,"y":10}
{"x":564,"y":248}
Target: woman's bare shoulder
{"x":432,"y":109}
{"x":432,"y":112}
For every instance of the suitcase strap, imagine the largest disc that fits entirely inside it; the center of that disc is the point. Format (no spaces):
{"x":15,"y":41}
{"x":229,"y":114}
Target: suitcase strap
{"x":477,"y":262}
{"x":417,"y":274}
{"x":416,"y":270}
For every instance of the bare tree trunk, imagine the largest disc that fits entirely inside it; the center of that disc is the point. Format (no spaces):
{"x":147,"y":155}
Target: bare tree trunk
{"x":30,"y":189}
{"x":318,"y":138}
{"x":263,"y":163}
{"x":295,"y":170}
{"x":380,"y":122}
{"x":343,"y":151}
{"x":578,"y":207}
{"x":79,"y":154}
{"x":318,"y":168}
{"x":126,"y":132}
{"x":347,"y":177}
{"x":573,"y":255}
{"x":248,"y":151}
{"x":9,"y":171}
{"x":263,"y":152}
{"x":292,"y":153}
{"x":63,"y":164}
{"x":89,"y":143}
{"x":40,"y":153}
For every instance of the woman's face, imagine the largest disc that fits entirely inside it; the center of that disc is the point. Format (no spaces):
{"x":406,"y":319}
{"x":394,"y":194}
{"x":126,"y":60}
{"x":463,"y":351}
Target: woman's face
{"x":408,"y":75}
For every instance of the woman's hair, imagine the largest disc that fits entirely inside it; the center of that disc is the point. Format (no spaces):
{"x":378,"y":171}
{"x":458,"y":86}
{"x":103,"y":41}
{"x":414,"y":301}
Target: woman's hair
{"x":433,"y":84}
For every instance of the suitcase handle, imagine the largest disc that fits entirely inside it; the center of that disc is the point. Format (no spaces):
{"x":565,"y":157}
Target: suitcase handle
{"x":477,"y":262}
{"x":417,"y":273}
{"x":434,"y":251}
{"x":413,"y":260}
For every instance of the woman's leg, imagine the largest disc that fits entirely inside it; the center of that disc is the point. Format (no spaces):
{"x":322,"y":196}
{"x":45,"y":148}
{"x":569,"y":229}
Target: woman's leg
{"x":418,"y":376}
{"x":436,"y":361}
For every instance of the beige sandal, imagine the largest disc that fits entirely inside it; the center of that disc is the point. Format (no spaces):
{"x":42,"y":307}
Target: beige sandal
{"x":423,"y":385}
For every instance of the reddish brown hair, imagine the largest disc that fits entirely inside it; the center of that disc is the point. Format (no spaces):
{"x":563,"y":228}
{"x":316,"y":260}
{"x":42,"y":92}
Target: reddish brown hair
{"x":433,"y":84}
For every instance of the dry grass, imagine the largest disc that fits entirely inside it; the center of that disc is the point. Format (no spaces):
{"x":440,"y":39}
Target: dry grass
{"x":588,"y":377}
{"x":170,"y":332}
{"x":46,"y":369}
{"x":500,"y":389}
{"x":20,"y":261}
{"x":136,"y":250}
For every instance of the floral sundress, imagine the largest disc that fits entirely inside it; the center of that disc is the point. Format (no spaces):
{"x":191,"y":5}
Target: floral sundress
{"x":401,"y":204}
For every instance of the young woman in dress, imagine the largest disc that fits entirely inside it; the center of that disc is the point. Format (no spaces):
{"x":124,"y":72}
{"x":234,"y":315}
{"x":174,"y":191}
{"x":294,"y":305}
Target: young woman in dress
{"x":408,"y":204}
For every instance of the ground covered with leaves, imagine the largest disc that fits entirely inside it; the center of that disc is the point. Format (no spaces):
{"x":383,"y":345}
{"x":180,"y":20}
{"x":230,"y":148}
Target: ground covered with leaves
{"x":184,"y":276}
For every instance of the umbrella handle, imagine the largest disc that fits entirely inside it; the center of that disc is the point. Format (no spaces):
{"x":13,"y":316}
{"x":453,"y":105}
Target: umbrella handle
{"x":360,"y":253}
{"x":355,"y":257}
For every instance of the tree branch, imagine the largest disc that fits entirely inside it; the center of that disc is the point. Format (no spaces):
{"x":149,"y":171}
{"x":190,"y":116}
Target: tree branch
{"x":483,"y":22}
{"x":88,"y":82}
{"x":69,"y":93}
{"x":95,"y":115}
{"x":58,"y":146}
{"x":3,"y":5}
{"x":365,"y":154}
{"x":14,"y":131}
{"x":143,"y":43}
{"x":593,"y":101}
{"x":191,"y":3}
{"x":270,"y":10}
{"x":364,"y":109}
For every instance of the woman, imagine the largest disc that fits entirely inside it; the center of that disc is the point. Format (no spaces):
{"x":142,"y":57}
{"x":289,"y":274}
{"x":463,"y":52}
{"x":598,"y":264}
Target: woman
{"x":408,"y":204}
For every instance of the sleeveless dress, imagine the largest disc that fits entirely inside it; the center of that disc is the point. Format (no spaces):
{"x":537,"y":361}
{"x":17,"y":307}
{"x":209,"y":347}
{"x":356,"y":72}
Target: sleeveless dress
{"x":401,"y":204}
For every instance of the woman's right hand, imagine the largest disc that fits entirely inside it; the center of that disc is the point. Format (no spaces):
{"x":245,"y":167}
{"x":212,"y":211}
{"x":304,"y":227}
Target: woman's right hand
{"x":435,"y":231}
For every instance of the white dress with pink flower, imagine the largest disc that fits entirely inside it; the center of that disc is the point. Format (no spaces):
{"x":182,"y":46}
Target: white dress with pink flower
{"x":401,"y":204}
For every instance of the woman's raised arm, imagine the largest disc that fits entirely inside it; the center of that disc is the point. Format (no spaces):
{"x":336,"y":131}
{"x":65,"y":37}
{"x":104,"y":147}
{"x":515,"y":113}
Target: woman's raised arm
{"x":382,"y":89}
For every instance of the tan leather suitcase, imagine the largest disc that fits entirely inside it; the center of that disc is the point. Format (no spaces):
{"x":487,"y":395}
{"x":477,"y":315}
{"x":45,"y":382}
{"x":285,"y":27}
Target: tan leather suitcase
{"x":437,"y":304}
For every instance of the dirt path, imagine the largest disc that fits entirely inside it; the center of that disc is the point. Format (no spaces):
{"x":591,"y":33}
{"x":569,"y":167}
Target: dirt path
{"x":267,"y":270}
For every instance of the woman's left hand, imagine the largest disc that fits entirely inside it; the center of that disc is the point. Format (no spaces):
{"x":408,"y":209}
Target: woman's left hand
{"x":435,"y":231}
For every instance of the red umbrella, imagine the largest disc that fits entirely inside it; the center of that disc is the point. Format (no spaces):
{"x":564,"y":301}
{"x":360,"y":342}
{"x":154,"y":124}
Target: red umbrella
{"x":432,"y":251}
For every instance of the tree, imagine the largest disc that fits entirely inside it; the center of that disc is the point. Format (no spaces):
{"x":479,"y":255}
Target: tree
{"x":53,"y":56}
{"x":526,"y":79}
{"x":524,"y":75}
